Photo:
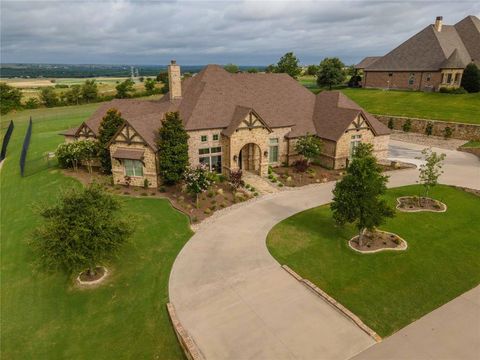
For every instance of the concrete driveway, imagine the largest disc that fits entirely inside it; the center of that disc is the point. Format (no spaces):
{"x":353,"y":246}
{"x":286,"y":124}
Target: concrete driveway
{"x":235,"y":300}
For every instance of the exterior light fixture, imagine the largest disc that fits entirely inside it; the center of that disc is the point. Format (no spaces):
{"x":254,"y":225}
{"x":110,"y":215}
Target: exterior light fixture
{"x":265,"y":153}
{"x":235,"y":157}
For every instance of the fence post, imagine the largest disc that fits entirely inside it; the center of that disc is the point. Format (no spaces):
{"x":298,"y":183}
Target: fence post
{"x":26,"y":143}
{"x":6,"y":140}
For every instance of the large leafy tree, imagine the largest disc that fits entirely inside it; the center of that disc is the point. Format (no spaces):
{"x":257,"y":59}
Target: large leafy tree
{"x":82,"y":230}
{"x":48,"y":96}
{"x":309,"y":147}
{"x":74,"y":94}
{"x":172,"y":149}
{"x":330,"y":72}
{"x":125,"y":89}
{"x":231,"y":68}
{"x":288,"y":64}
{"x":110,"y":124}
{"x":162,"y":78}
{"x":10,"y":98}
{"x":471,"y":78}
{"x":312,"y":70}
{"x":357,"y":197}
{"x":89,"y":91}
{"x":149,"y":85}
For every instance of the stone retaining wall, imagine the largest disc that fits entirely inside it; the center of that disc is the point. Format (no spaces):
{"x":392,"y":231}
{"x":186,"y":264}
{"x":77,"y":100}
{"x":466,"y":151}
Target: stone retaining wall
{"x":461,"y":131}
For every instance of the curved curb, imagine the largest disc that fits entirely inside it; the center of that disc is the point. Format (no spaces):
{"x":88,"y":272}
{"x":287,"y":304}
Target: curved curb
{"x":402,"y":247}
{"x":420,"y":210}
{"x":95,"y":282}
{"x":334,"y":303}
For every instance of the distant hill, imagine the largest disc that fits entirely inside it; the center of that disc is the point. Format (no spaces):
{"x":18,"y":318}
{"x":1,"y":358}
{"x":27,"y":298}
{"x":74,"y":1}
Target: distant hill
{"x":91,"y":70}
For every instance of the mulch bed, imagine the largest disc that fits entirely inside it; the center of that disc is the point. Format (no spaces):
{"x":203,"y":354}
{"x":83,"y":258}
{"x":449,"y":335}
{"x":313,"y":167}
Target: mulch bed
{"x":86,"y":277}
{"x":288,"y":176}
{"x":378,"y":240}
{"x":218,"y":197}
{"x":420,"y":203}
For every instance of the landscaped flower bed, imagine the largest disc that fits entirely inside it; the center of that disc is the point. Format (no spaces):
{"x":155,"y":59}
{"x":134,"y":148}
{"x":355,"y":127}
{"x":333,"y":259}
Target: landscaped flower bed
{"x":420,"y":203}
{"x":377,"y":241}
{"x":315,"y":174}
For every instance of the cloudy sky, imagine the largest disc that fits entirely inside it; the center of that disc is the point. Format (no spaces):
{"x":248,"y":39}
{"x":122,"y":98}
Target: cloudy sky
{"x":201,"y":32}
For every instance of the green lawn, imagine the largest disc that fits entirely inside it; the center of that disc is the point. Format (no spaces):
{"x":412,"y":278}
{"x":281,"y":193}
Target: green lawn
{"x":388,"y":290}
{"x":437,"y":106}
{"x":42,"y":315}
{"x":472,"y":144}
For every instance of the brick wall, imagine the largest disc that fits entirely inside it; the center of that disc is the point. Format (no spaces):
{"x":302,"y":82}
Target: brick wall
{"x":400,"y":80}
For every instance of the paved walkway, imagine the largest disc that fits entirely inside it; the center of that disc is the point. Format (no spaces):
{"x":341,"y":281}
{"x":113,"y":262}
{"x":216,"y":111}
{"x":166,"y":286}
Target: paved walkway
{"x":237,"y":302}
{"x":261,"y":185}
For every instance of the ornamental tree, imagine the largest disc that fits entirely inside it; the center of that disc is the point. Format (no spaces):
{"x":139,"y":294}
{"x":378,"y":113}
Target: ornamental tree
{"x":330,"y":72}
{"x":288,"y":64}
{"x":109,"y":126}
{"x":172,"y":149}
{"x":82,"y":230}
{"x":73,"y":153}
{"x":357,"y":197}
{"x":471,"y":78}
{"x":198,"y":180}
{"x":10,"y":98}
{"x":431,"y":170}
{"x":309,"y":147}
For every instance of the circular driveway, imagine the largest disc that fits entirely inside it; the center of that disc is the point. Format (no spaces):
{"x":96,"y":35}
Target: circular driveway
{"x":236,"y":301}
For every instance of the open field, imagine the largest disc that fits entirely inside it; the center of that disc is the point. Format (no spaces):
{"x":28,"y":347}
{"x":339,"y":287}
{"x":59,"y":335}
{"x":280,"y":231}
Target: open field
{"x":388,"y":290}
{"x":42,"y":315}
{"x":31,"y":87}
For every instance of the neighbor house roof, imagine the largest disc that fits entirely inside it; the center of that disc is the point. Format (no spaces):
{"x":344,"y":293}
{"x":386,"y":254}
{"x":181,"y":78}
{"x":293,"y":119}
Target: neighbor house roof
{"x":217,"y":99}
{"x":454,"y":46}
{"x":369,"y":60}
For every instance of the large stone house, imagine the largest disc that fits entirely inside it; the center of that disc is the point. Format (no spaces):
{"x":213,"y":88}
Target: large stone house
{"x":246,"y":121}
{"x":433,"y":58}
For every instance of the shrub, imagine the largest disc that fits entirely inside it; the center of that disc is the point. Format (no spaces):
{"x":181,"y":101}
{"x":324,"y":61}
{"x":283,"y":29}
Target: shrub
{"x":390,"y":124}
{"x":235,"y":179}
{"x":255,"y":194}
{"x":471,"y":78}
{"x":70,"y":155}
{"x":32,"y":103}
{"x":407,"y":125}
{"x":429,"y":128}
{"x":146,"y":183}
{"x":162,"y":189}
{"x":309,"y":147}
{"x":447,"y":90}
{"x":301,"y":165}
{"x":447,"y":132}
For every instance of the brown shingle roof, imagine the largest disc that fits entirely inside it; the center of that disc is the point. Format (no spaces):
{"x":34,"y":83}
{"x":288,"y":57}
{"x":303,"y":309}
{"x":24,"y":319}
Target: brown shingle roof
{"x":216,"y":99}
{"x":369,"y":60}
{"x":430,"y":49}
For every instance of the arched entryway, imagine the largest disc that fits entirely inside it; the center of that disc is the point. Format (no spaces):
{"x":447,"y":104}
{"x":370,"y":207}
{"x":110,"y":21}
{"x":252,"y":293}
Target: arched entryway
{"x":250,"y":158}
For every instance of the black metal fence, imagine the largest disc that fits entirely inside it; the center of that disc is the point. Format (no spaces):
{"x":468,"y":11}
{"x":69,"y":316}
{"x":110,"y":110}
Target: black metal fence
{"x":6,"y":140}
{"x":26,"y":143}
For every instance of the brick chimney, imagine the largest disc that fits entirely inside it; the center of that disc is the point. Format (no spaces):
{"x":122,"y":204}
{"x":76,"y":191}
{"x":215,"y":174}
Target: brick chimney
{"x":438,"y":23}
{"x":174,"y":80}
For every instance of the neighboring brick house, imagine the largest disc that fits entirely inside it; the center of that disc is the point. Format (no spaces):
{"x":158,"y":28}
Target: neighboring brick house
{"x":247,"y":121}
{"x":433,"y":58}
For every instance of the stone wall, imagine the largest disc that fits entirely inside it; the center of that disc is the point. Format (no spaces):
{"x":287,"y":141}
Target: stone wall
{"x":195,"y":143}
{"x":461,"y":131}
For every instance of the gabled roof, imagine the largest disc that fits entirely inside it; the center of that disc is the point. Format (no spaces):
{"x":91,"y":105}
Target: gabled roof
{"x":369,"y":60}
{"x":430,"y":50}
{"x":217,"y":99}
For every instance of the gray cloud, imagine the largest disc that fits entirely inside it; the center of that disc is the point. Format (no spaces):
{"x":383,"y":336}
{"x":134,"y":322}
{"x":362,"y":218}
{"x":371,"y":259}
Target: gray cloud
{"x":199,"y":32}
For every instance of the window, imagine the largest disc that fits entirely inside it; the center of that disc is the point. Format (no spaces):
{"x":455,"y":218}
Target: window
{"x":215,"y":137}
{"x":204,"y":151}
{"x":273,"y":153}
{"x":216,"y":149}
{"x":411,"y":79}
{"x":449,"y":78}
{"x":216,"y":163}
{"x":356,"y":136}
{"x":457,"y":78}
{"x":133,"y":167}
{"x":204,"y":138}
{"x":356,"y":140}
{"x":213,"y":162}
{"x":429,"y":76}
{"x":390,"y":74}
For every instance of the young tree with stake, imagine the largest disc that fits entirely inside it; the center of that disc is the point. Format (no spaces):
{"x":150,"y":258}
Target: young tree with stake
{"x":431,"y":170}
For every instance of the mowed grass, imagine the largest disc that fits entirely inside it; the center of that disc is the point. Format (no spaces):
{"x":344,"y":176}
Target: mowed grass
{"x":42,"y":315}
{"x":388,"y":290}
{"x":437,"y":106}
{"x":472,"y":144}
